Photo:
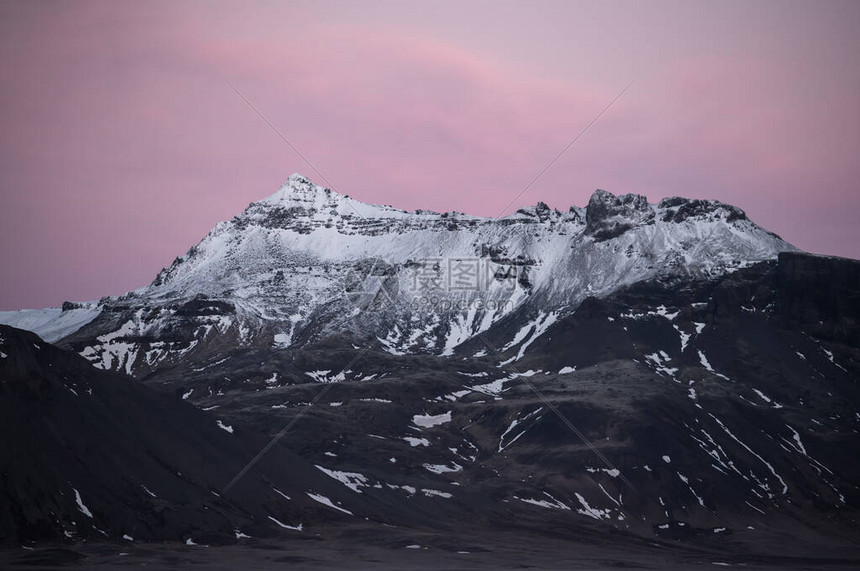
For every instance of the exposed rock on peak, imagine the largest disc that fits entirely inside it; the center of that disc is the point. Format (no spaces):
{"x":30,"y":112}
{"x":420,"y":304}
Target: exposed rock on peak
{"x":540,"y":211}
{"x":678,"y":209}
{"x":298,"y":190}
{"x":608,"y":216}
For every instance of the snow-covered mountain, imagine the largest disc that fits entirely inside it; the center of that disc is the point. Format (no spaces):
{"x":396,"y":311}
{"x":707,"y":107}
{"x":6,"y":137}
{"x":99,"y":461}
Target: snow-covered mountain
{"x":670,"y":375}
{"x":307,"y":263}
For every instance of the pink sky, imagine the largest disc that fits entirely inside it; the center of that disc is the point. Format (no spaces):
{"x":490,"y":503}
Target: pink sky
{"x":122,"y":143}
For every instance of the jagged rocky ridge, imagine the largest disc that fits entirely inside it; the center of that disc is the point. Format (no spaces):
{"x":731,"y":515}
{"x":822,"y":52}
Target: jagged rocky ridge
{"x":307,"y":263}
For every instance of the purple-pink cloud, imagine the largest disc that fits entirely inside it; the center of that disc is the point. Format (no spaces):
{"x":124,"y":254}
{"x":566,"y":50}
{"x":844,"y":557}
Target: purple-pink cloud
{"x":122,"y":143}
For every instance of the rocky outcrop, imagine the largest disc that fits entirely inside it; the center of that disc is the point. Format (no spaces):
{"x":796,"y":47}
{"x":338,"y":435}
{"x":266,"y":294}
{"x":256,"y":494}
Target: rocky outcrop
{"x":608,"y":216}
{"x":678,"y":209}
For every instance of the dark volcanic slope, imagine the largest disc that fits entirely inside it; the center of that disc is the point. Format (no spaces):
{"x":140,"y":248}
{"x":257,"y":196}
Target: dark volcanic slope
{"x":87,"y":453}
{"x":719,"y":415}
{"x":727,"y":410}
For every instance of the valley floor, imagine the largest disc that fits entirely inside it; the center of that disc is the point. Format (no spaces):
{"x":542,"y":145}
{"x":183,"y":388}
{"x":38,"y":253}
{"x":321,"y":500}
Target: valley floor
{"x":398,"y":549}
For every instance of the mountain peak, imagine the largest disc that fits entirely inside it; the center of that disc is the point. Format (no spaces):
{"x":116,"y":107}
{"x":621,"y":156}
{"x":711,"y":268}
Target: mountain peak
{"x":299,"y":197}
{"x":298,"y":189}
{"x":298,"y":177}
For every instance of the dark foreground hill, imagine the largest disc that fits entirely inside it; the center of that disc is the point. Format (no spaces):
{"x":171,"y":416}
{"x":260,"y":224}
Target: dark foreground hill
{"x":89,"y":454}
